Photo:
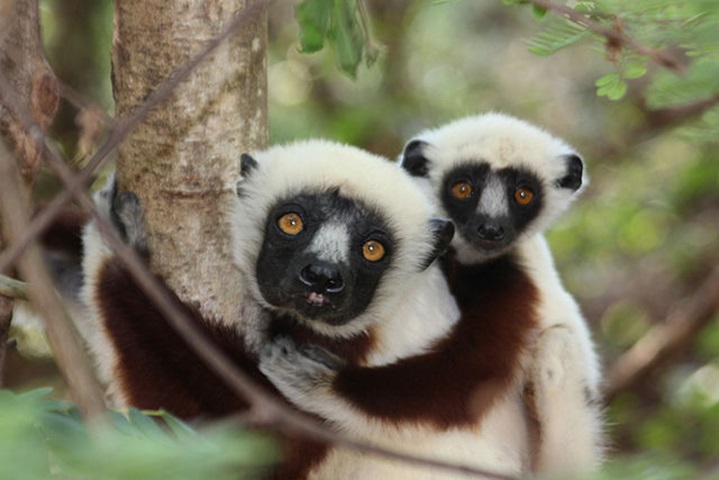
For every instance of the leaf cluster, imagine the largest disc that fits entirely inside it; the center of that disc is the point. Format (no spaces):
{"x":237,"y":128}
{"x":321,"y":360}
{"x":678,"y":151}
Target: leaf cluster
{"x":341,"y":23}
{"x":41,"y":438}
{"x":672,"y":44}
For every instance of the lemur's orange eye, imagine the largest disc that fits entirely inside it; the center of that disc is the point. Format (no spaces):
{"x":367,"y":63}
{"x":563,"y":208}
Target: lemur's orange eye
{"x":523,"y":196}
{"x":373,"y":251}
{"x":462,"y":190}
{"x":290,"y":223}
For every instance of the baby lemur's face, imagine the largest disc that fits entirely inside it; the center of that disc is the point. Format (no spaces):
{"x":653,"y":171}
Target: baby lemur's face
{"x":491,"y":207}
{"x":498,"y":178}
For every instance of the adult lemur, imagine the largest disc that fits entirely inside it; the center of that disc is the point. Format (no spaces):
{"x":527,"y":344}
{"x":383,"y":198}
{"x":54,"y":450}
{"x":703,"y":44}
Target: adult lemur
{"x":329,"y":258}
{"x":503,"y":182}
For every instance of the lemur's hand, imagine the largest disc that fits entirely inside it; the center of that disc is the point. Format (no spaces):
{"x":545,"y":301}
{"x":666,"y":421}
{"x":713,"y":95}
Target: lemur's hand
{"x":298,"y":371}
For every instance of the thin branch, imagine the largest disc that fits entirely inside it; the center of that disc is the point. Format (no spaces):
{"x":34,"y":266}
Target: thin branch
{"x":672,"y":116}
{"x":681,"y":328}
{"x":11,"y":288}
{"x":614,"y":35}
{"x":6,"y":305}
{"x":67,"y":350}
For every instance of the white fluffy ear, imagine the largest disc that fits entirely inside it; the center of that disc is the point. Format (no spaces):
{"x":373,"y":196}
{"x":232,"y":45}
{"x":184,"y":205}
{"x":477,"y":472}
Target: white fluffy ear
{"x":574,"y":173}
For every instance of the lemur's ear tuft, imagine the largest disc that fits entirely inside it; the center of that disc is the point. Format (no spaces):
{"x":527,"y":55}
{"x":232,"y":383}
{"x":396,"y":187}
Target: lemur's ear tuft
{"x":247,"y":164}
{"x":413,"y":159}
{"x":574,"y":170}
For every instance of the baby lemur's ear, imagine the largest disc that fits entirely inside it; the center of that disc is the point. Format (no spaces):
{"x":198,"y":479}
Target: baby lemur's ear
{"x":574,"y":171}
{"x":413,"y":159}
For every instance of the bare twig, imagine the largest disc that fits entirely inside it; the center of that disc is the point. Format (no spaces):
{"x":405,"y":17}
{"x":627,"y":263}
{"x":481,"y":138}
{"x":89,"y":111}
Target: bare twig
{"x":6,"y":305}
{"x":67,"y":350}
{"x":658,"y":119}
{"x":615,"y":37}
{"x":11,"y":288}
{"x":681,"y":328}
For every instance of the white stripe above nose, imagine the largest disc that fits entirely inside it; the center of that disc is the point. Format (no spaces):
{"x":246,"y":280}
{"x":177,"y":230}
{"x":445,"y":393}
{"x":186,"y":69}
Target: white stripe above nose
{"x":493,"y":200}
{"x":331,"y":243}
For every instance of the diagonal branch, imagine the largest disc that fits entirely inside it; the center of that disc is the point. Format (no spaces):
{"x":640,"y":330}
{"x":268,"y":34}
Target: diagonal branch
{"x":12,"y":288}
{"x":67,"y":350}
{"x":681,"y":328}
{"x":6,"y":305}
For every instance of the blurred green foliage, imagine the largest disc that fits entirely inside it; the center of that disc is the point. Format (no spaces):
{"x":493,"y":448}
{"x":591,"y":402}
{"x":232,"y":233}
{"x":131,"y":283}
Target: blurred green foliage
{"x":645,"y":234}
{"x":344,"y":24}
{"x":42,"y":438}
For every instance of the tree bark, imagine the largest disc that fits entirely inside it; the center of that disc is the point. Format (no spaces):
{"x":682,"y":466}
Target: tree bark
{"x":23,"y":65}
{"x":183,"y":161}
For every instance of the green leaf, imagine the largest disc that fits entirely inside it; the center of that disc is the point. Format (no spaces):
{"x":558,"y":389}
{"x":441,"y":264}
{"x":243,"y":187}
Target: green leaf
{"x":145,"y":425}
{"x":618,"y":91}
{"x":178,"y":427}
{"x":314,"y":18}
{"x":556,"y":38}
{"x":35,"y":394}
{"x":634,"y":71}
{"x":348,"y":37}
{"x":606,"y":80}
{"x":611,"y":87}
{"x":538,"y":12}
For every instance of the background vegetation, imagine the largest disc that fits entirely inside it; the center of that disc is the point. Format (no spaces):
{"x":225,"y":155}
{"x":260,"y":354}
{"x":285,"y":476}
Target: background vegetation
{"x":638,"y":251}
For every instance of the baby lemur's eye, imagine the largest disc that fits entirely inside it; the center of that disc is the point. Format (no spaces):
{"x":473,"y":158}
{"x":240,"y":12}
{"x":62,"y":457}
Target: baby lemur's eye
{"x":523,"y":196}
{"x":290,"y":223}
{"x":373,"y":251}
{"x":462,"y":190}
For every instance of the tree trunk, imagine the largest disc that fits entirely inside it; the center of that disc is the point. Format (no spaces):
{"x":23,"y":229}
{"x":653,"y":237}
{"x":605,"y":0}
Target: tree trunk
{"x":182,"y":161}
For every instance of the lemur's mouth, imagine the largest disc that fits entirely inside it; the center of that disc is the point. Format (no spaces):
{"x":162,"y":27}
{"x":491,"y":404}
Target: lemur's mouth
{"x":489,"y":245}
{"x":317,"y":299}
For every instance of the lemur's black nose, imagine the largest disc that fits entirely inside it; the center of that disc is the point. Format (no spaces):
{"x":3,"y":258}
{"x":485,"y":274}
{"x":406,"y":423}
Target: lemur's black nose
{"x":490,"y":231}
{"x":322,"y":277}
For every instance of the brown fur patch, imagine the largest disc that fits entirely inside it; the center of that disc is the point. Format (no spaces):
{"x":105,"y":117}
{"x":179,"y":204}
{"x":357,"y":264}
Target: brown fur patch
{"x":65,"y":232}
{"x":465,"y":374}
{"x":157,"y":369}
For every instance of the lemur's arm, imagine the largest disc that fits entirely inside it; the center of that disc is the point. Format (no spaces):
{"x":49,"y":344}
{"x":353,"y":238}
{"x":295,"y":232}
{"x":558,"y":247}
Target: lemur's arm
{"x":453,"y":384}
{"x":563,"y":377}
{"x":565,"y":407}
{"x":148,"y":364}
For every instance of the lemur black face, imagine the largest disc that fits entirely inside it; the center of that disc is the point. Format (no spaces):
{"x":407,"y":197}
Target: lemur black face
{"x":491,"y":208}
{"x":322,"y":257}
